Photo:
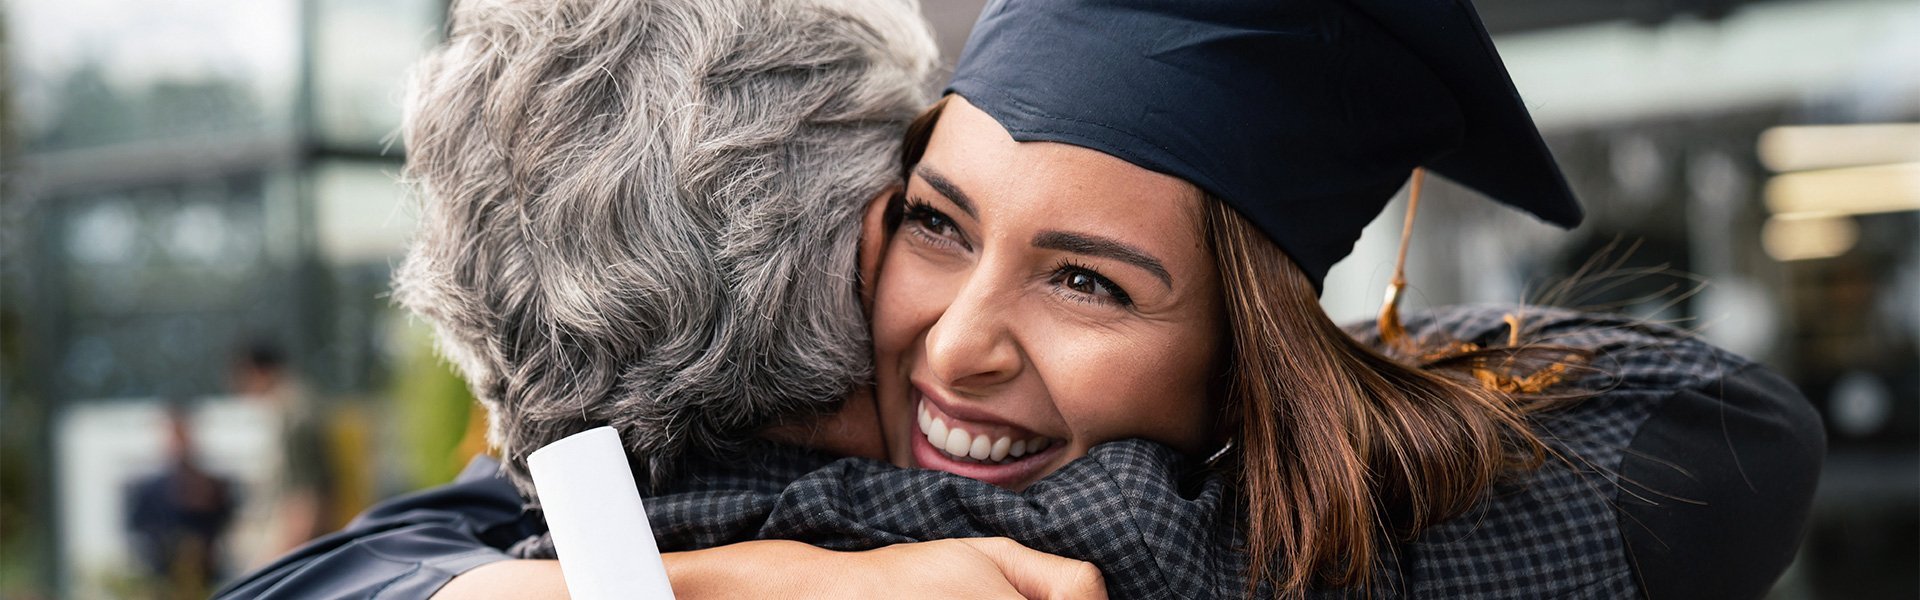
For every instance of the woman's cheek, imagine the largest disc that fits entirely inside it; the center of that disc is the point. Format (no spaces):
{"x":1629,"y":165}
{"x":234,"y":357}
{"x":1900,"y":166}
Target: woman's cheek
{"x":1113,"y":389}
{"x":891,"y":301}
{"x":1089,"y":382}
{"x":913,"y":293}
{"x":892,"y":340}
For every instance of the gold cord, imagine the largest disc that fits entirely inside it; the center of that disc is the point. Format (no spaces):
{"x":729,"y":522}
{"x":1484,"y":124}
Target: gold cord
{"x":1392,"y":334}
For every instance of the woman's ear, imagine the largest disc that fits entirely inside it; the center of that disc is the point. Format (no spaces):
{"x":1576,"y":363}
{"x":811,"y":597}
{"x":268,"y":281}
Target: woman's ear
{"x":874,"y":235}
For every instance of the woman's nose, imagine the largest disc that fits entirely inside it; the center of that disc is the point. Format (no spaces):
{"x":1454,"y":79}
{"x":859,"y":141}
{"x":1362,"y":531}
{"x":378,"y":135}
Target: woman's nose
{"x":971,"y":347}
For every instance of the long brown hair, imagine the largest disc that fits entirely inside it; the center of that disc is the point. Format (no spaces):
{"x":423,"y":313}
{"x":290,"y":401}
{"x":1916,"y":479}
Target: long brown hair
{"x":1338,"y":447}
{"x":1341,"y":447}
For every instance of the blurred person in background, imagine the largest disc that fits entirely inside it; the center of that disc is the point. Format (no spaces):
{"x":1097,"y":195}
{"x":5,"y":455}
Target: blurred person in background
{"x":179,"y":517}
{"x":301,"y":495}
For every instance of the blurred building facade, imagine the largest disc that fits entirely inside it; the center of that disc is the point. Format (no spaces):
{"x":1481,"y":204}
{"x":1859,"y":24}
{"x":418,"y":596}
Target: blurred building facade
{"x":181,"y":177}
{"x":184,"y":179}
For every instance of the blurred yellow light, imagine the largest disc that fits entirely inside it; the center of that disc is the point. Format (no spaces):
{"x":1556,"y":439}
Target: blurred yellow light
{"x":1803,"y":147}
{"x":1851,"y":191}
{"x":1808,"y":236}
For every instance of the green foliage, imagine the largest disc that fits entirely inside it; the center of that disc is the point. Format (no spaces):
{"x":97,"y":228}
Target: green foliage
{"x":434,"y":409}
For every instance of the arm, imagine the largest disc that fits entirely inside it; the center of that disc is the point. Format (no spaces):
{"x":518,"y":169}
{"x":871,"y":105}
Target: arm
{"x":529,"y":579}
{"x":449,"y":543}
{"x":959,"y":568}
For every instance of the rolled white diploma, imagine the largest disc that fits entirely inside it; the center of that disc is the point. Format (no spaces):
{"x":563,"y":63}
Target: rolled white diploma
{"x":599,"y":527}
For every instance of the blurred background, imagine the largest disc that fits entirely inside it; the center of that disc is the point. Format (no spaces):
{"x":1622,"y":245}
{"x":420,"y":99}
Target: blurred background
{"x":200,"y":366}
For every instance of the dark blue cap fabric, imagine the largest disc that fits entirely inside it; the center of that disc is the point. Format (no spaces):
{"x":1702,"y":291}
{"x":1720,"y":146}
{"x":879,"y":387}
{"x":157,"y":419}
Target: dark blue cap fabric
{"x":1304,"y":115}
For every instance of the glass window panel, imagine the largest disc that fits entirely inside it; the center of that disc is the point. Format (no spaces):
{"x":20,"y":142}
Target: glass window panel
{"x":362,"y":52}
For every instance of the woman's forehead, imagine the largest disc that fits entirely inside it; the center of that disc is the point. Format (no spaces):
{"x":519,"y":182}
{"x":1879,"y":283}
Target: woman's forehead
{"x":970,"y":150}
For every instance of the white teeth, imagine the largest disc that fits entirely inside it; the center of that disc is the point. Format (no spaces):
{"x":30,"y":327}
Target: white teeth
{"x":958,"y":442}
{"x":970,"y":447}
{"x":937,"y":434}
{"x":981,"y":448}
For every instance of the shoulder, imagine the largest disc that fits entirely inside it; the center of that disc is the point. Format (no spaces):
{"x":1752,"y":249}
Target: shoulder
{"x":405,"y":547}
{"x":1716,"y":484}
{"x":1687,"y":466}
{"x":1630,"y":353}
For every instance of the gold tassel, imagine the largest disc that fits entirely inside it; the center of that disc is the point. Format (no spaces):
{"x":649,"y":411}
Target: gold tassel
{"x":1393,"y":335}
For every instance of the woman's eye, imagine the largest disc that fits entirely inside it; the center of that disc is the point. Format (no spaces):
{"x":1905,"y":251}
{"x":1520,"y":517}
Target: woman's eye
{"x":1085,"y":281}
{"x":935,"y":222}
{"x":931,"y":224}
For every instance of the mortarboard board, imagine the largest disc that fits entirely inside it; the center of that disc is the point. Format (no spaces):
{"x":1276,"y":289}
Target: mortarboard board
{"x":1304,"y":115}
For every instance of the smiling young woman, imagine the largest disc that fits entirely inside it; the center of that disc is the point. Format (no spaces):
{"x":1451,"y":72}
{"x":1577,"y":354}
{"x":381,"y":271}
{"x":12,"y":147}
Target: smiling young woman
{"x":1049,"y":295}
{"x":1041,"y":298}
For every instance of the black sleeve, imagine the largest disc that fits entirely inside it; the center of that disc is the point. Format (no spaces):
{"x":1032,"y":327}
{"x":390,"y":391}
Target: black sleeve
{"x":1716,"y":487}
{"x":407,"y":547}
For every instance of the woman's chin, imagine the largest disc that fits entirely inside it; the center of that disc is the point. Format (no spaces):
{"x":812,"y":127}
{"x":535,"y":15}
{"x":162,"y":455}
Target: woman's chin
{"x":1013,"y":473}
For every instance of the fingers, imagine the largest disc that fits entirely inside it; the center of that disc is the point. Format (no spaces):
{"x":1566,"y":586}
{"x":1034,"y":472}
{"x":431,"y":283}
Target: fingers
{"x":1041,"y":576}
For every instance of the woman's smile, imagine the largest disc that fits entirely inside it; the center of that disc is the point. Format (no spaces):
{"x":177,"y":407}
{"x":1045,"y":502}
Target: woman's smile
{"x":983,"y":449}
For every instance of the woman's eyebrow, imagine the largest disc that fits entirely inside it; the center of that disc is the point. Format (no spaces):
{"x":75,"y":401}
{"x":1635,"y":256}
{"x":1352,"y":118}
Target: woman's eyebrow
{"x":1079,"y":243}
{"x":946,"y":188}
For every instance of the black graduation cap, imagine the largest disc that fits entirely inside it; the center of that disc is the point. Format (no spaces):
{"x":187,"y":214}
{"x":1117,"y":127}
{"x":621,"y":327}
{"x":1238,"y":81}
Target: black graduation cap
{"x":1304,"y":115}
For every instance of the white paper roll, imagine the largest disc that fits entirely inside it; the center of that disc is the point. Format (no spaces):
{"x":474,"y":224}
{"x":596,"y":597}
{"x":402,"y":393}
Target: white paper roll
{"x":598,"y":525}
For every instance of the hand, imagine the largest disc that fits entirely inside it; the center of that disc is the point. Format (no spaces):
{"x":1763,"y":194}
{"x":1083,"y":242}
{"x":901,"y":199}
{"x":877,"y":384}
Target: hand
{"x":956,"y":568}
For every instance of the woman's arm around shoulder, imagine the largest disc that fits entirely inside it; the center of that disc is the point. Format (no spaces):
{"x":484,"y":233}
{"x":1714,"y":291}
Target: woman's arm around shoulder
{"x":956,"y":568}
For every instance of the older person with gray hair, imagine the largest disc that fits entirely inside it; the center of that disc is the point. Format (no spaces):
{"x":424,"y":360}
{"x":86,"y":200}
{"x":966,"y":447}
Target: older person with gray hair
{"x":646,"y":214}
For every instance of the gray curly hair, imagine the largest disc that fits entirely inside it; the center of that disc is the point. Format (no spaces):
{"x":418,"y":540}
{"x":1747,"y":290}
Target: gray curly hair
{"x":645,"y":213}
